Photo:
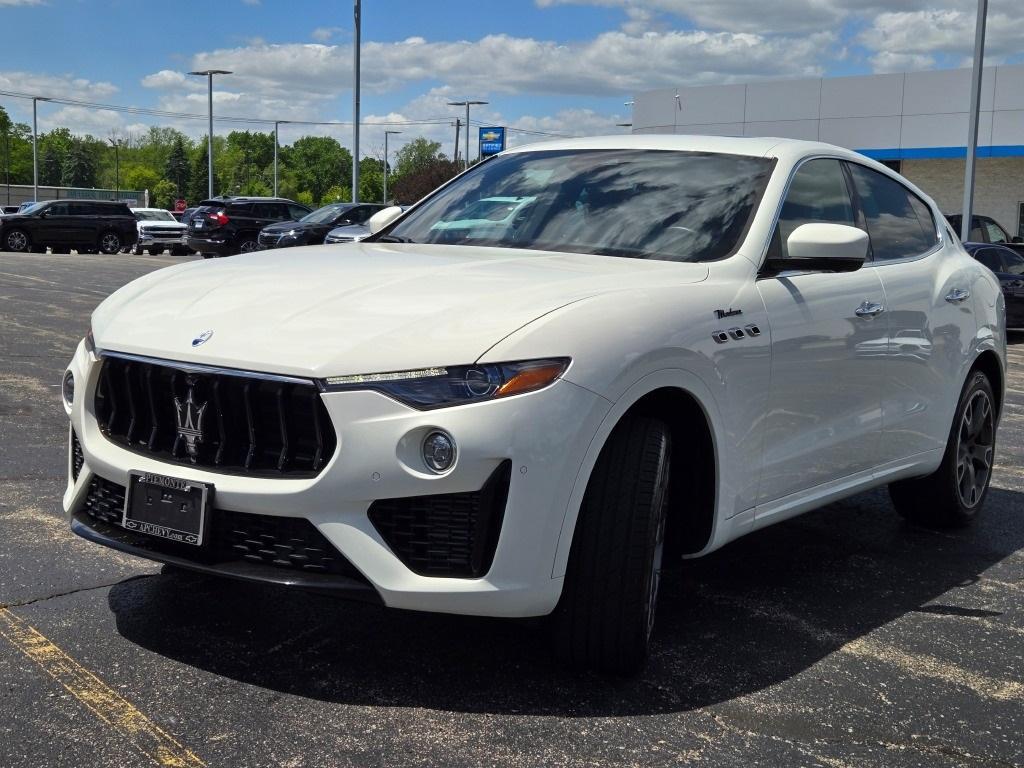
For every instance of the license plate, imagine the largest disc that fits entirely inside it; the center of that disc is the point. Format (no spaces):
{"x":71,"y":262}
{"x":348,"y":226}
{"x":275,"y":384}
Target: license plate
{"x":197,"y":223}
{"x":166,"y":507}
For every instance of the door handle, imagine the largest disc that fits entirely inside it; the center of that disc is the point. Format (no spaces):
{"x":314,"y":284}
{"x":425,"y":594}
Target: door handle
{"x":957,"y":295}
{"x":869,"y":309}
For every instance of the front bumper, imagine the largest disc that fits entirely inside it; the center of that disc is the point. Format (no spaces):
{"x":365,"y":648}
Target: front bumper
{"x":543,"y":437}
{"x":165,"y":240}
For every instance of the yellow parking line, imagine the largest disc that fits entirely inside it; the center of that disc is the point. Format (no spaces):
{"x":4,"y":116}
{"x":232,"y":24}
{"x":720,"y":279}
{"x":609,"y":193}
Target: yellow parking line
{"x":99,"y":698}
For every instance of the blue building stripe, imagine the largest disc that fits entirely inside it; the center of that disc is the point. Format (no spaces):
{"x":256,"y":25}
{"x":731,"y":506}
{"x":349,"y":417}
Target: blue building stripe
{"x":932,"y":153}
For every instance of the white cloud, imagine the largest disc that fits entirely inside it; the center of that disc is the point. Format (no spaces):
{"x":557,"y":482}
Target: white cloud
{"x":11,"y":3}
{"x":324,"y":34}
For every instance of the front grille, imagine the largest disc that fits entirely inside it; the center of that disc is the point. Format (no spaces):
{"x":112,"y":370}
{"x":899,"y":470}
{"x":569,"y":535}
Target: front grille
{"x":219,"y":421}
{"x":163,"y":232}
{"x":77,"y":457}
{"x":452,"y":534}
{"x":283,"y":542}
{"x":268,"y":239}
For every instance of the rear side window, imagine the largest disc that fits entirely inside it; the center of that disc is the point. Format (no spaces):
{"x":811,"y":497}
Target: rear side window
{"x":817,"y":193}
{"x":278,"y":211}
{"x":296,"y":212}
{"x":1013,"y":262}
{"x":85,"y":209}
{"x":899,"y":223}
{"x":995,"y":232}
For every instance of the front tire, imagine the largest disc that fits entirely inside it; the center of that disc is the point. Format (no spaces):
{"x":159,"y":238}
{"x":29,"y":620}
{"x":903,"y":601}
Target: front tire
{"x":16,"y":240}
{"x":246,"y":243}
{"x":605,"y":616}
{"x":110,"y":243}
{"x":952,"y":496}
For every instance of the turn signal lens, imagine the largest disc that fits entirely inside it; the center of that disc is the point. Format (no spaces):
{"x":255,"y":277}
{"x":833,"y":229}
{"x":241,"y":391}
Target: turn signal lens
{"x":531,"y":378}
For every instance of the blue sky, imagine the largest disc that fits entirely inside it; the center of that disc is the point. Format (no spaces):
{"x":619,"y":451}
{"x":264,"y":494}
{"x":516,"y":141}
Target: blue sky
{"x":558,"y":66}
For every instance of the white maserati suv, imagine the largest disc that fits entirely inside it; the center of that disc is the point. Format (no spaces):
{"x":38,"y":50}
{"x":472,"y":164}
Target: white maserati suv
{"x":672,"y":342}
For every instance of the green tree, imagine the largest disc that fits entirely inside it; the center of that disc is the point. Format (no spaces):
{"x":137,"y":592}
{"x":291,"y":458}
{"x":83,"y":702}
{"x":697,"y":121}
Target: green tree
{"x":140,"y":177}
{"x":79,"y":166}
{"x":371,"y":180}
{"x":51,"y":167}
{"x":319,"y":163}
{"x":197,"y":188}
{"x":163,"y":194}
{"x":411,"y":186}
{"x":418,"y":155}
{"x":15,"y":150}
{"x":177,"y":169}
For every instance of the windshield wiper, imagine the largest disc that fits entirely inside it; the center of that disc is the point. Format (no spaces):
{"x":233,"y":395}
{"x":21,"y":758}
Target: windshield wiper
{"x":392,"y":239}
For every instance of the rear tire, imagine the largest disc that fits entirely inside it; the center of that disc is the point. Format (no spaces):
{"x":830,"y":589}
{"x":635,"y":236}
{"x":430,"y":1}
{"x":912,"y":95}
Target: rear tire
{"x":605,"y":616}
{"x":952,"y":496}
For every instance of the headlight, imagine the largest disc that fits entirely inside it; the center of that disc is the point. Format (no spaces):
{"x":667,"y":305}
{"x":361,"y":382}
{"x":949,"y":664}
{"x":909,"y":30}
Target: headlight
{"x":428,"y":388}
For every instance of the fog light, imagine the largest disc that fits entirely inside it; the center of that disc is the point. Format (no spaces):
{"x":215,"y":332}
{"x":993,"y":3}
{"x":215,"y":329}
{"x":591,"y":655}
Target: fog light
{"x":67,"y":388}
{"x":439,"y":451}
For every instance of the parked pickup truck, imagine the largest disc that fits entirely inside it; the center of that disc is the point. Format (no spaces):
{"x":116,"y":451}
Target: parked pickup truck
{"x":159,"y":231}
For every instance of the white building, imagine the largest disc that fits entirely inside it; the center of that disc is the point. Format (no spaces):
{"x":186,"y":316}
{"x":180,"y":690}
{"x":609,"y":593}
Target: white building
{"x":914,"y":122}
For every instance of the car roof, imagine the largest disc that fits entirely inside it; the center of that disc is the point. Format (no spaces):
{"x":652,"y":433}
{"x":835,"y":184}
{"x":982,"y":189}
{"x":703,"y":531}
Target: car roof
{"x":155,"y":210}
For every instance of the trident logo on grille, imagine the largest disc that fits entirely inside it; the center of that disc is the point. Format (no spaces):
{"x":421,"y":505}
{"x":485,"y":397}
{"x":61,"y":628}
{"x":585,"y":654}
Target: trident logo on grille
{"x":190,"y":421}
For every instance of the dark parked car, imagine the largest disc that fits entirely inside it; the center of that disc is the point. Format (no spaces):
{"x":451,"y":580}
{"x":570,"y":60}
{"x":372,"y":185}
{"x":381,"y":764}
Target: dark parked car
{"x":83,"y":225}
{"x":313,"y":228}
{"x":1009,"y":268}
{"x":985,"y":229}
{"x":222,"y":226}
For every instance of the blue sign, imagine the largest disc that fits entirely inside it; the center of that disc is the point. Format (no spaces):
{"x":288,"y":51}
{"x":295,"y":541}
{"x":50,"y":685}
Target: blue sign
{"x":492,"y":141}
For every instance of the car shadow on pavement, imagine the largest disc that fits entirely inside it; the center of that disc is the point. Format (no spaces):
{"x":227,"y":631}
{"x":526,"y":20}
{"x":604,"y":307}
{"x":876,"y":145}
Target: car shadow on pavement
{"x":754,"y":614}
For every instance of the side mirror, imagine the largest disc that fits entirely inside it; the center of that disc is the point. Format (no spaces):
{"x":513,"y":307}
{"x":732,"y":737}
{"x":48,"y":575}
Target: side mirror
{"x":1017,"y":239}
{"x":822,"y":247}
{"x":381,"y":219}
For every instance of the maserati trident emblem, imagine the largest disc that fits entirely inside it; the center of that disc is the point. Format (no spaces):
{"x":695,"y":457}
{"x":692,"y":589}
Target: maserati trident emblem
{"x":190,"y":421}
{"x":202,"y":338}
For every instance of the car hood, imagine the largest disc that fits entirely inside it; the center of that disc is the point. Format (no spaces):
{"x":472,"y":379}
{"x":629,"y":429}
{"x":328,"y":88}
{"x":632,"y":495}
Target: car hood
{"x":374,"y":307}
{"x":162,"y":225}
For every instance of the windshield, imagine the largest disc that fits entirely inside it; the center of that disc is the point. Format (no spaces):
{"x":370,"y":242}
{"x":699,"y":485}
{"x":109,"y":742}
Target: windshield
{"x":649,"y":204}
{"x":324,"y":215}
{"x":154,"y":216}
{"x":31,"y":207}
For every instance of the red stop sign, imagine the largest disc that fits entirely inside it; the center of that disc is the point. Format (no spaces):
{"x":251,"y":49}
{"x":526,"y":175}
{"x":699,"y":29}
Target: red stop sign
{"x":180,"y":205}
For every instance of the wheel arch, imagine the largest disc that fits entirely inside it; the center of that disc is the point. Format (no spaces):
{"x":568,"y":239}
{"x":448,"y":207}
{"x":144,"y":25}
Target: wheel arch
{"x":988,"y":362}
{"x":686,"y":405}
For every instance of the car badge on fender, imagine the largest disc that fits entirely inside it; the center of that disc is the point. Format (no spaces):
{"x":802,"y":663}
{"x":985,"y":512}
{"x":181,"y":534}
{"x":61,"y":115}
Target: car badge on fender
{"x":189,"y":417}
{"x":202,"y":338}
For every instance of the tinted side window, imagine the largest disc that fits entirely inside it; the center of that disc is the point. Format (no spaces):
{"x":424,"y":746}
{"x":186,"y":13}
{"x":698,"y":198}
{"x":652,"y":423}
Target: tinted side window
{"x":1013,"y":262}
{"x":58,"y":209}
{"x":895,"y":228}
{"x":990,"y":258}
{"x":817,"y":193}
{"x":85,"y":209}
{"x":296,"y":212}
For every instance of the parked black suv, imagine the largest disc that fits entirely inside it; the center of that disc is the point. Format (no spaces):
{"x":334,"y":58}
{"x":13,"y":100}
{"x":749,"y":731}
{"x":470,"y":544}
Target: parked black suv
{"x":313,"y":228}
{"x":222,"y":226}
{"x":84,"y":225}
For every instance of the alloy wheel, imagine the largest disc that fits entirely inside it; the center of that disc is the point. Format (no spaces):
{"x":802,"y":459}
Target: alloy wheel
{"x":975,"y":449}
{"x":110,"y":243}
{"x":247,"y":246}
{"x":17,"y":241}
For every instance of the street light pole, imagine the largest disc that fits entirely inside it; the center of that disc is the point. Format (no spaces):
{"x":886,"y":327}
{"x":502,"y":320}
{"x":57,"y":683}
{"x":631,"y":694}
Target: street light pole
{"x":386,"y":134}
{"x":209,"y":73}
{"x":7,"y":159}
{"x":117,"y":167}
{"x":972,"y":126}
{"x":357,"y":18}
{"x":35,"y":149}
{"x":466,"y":104}
{"x":276,"y":144}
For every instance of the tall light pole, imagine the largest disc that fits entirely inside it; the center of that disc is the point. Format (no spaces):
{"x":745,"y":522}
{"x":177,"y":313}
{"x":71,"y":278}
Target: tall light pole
{"x":276,"y":144}
{"x":972,"y":126}
{"x":386,"y":134}
{"x":7,"y":158}
{"x":117,"y":167}
{"x":357,"y":19}
{"x":209,"y":138}
{"x":35,"y":149}
{"x":467,"y":105}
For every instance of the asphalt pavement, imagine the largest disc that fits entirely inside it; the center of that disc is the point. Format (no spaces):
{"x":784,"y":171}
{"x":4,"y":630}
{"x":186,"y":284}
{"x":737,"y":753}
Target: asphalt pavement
{"x":842,"y":638}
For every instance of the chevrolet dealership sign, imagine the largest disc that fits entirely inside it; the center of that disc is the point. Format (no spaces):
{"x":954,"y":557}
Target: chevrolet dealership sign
{"x":492,"y":141}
